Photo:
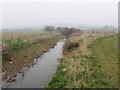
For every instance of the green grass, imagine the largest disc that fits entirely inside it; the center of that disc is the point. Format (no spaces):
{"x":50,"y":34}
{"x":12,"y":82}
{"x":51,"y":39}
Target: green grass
{"x":22,"y":55}
{"x":99,"y":70}
{"x":16,"y":44}
{"x":105,"y":51}
{"x":59,"y":81}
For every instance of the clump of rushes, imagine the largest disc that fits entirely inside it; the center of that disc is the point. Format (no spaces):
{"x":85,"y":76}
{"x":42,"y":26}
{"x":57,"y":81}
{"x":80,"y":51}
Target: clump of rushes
{"x":70,"y":45}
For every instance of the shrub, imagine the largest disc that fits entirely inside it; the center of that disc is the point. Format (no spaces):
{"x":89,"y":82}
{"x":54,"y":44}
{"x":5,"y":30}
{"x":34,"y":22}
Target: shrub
{"x":72,"y":45}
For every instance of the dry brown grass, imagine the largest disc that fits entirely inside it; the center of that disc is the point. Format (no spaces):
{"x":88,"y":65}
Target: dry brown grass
{"x":25,"y":57}
{"x":7,"y":35}
{"x":77,"y":68}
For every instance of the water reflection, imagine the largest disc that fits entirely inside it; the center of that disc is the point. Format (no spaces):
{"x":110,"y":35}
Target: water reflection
{"x":39,"y":75}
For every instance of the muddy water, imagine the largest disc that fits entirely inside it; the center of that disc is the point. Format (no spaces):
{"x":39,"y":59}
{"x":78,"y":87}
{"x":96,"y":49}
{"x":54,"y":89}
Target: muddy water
{"x":39,"y":74}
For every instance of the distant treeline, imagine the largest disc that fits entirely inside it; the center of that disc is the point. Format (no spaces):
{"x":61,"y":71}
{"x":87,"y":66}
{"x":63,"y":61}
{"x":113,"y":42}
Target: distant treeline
{"x":66,"y":31}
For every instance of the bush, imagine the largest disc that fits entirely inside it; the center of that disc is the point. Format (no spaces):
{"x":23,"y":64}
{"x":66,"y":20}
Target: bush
{"x":72,"y":45}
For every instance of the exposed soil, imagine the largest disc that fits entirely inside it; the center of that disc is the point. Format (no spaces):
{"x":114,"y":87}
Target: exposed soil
{"x":25,"y":58}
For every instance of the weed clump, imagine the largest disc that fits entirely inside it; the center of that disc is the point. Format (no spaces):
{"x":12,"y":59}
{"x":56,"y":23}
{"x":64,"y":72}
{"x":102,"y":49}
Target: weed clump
{"x":72,"y":45}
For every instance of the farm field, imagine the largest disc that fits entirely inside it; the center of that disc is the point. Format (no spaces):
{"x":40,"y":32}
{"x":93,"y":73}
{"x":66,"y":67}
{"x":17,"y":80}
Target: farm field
{"x":60,"y":44}
{"x":90,"y":61}
{"x":90,"y":58}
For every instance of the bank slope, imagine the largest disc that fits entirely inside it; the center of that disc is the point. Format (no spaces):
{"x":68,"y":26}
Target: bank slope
{"x":92,"y":65}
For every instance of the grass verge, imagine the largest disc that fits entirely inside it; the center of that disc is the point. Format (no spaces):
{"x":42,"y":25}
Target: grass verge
{"x":105,"y":50}
{"x":97,"y":70}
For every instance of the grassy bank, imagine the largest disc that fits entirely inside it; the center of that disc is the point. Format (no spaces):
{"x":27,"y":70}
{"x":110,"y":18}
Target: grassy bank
{"x":105,"y":50}
{"x":22,"y":50}
{"x":89,"y":65}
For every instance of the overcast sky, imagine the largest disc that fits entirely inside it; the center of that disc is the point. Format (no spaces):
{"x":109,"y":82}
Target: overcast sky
{"x":50,"y":13}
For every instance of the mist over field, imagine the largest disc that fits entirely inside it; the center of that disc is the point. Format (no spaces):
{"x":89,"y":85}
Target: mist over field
{"x":84,"y":14}
{"x":59,"y":45}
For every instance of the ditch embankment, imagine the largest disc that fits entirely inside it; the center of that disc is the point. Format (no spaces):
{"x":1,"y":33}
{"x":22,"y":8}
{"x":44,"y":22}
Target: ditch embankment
{"x":90,"y":61}
{"x":21,"y":52}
